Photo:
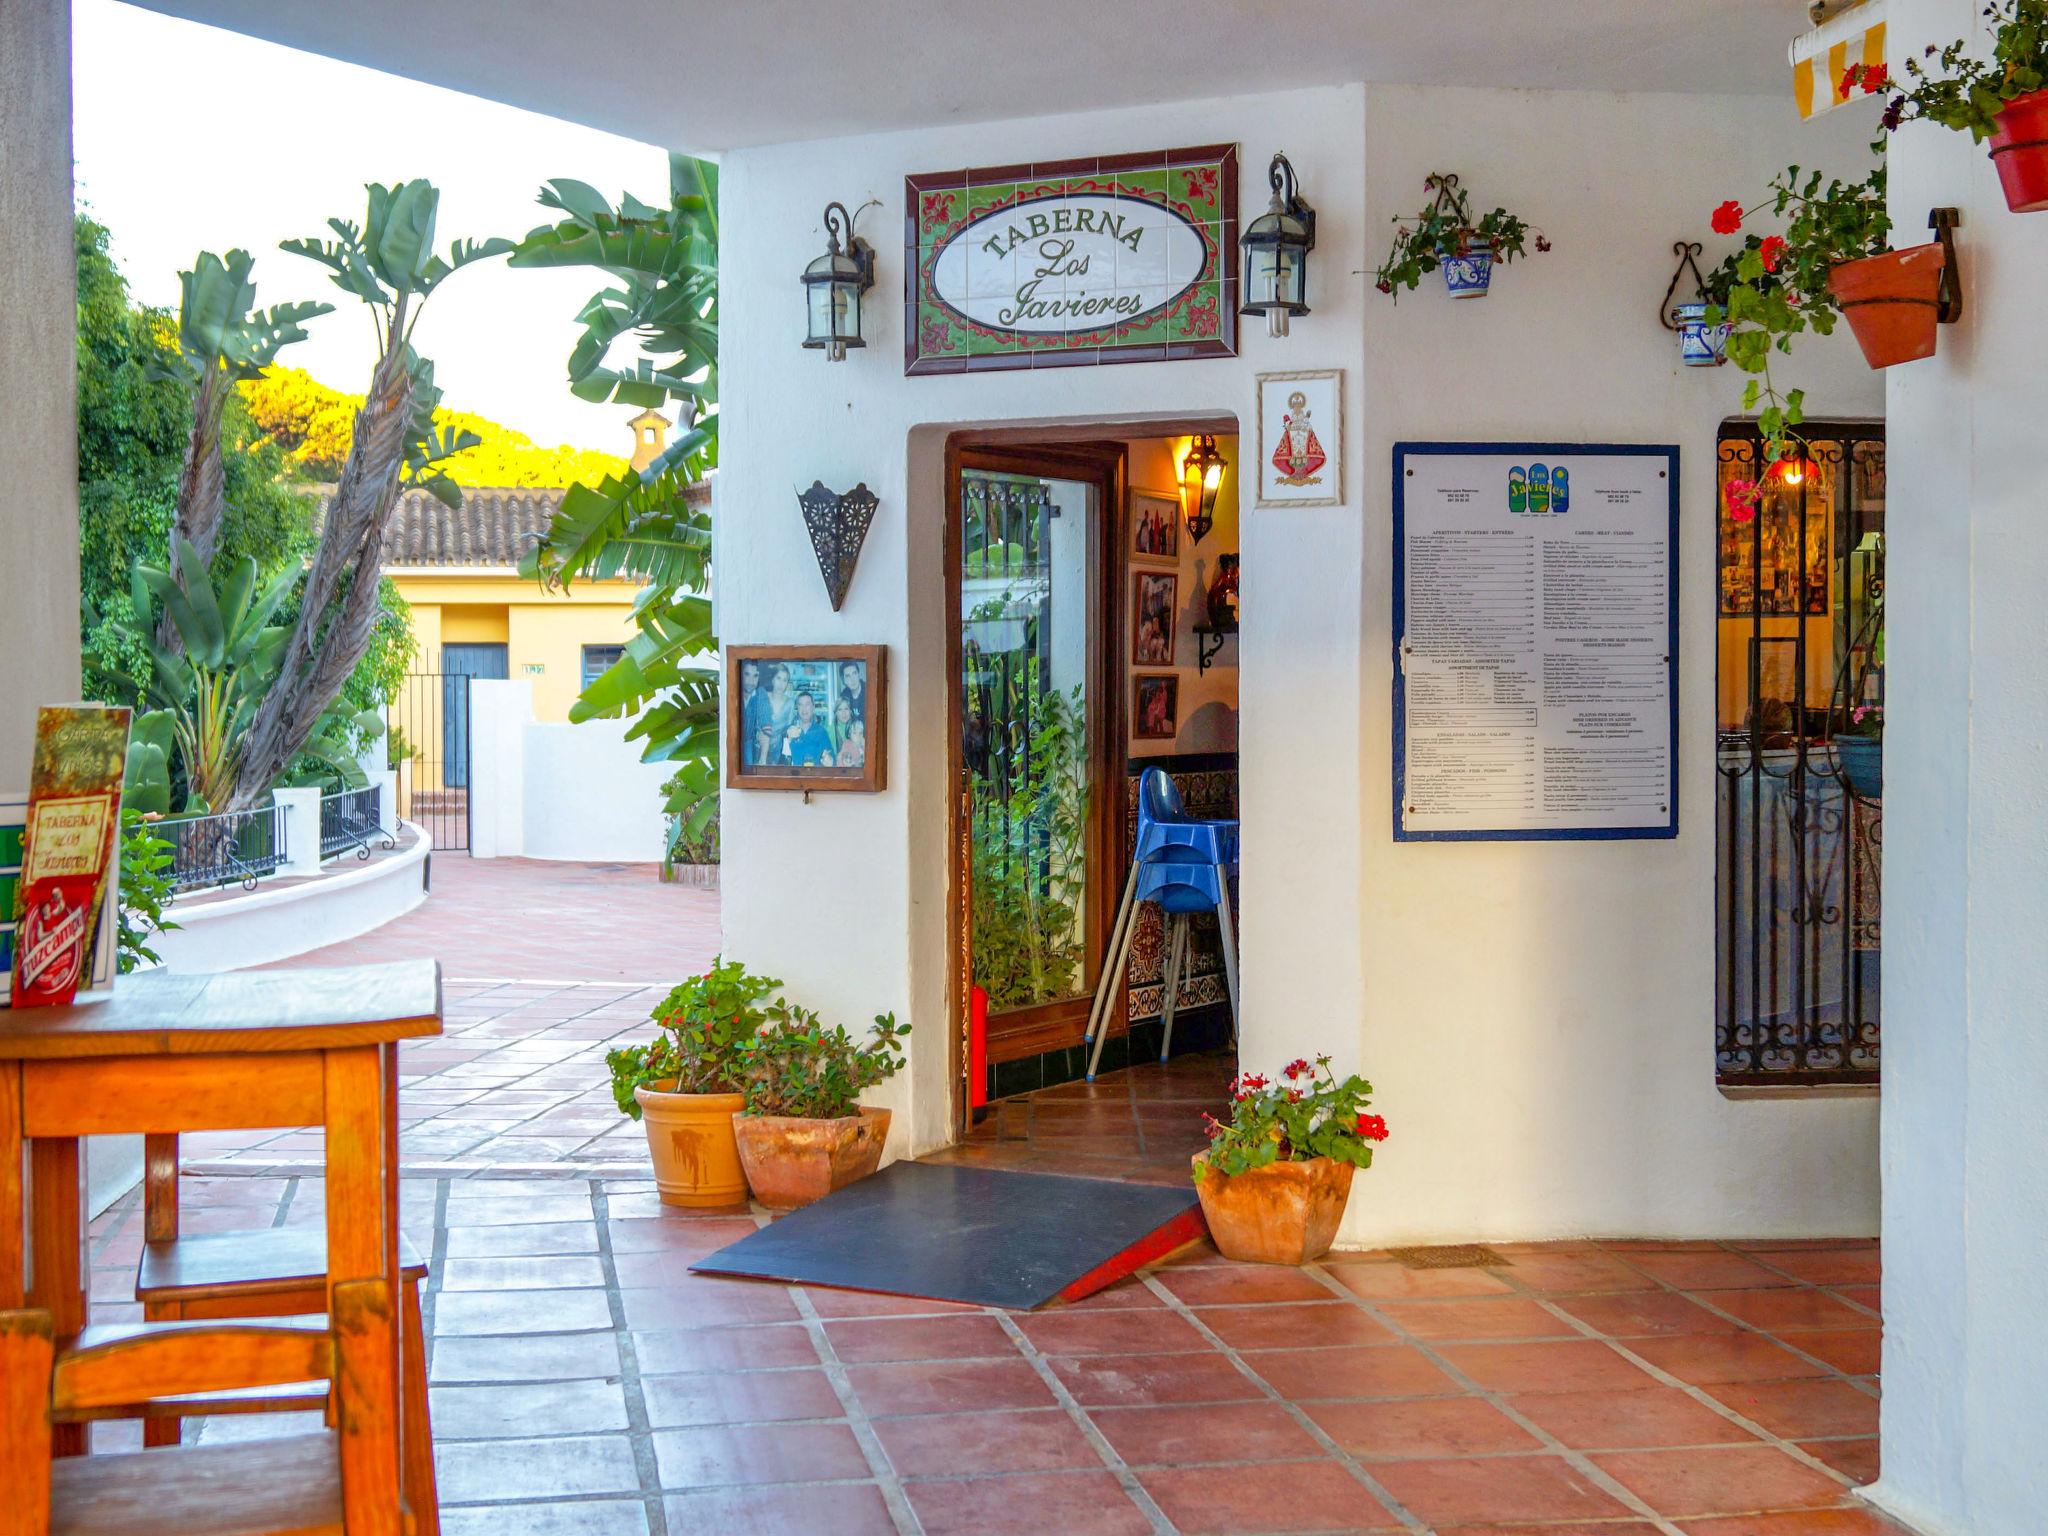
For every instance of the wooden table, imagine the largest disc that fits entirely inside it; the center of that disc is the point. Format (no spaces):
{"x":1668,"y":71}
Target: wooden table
{"x":236,"y":1051}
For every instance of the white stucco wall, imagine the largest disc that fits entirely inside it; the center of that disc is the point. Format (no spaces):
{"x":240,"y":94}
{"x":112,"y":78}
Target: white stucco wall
{"x":1538,"y":1017}
{"x":543,"y":791}
{"x":1965,"y":1205}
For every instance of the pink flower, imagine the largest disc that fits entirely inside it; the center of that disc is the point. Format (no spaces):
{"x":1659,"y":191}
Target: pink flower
{"x":1741,"y":497}
{"x":1727,"y":218}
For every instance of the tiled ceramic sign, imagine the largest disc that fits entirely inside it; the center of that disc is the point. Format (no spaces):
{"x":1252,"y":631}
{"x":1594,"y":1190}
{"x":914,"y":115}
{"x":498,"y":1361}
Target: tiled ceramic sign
{"x":1122,"y":259}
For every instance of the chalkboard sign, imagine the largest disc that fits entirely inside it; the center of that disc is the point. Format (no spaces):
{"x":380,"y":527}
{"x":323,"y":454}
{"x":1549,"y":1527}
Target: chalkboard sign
{"x":1535,"y":641}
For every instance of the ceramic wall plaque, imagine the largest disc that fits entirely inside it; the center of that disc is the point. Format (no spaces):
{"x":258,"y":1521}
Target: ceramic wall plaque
{"x":1301,"y":439}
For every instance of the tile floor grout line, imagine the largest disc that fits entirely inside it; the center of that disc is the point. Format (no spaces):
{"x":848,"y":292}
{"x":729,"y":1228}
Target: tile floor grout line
{"x":1812,"y":1285}
{"x":1293,"y":1410}
{"x":1577,"y":1460}
{"x":1112,"y":1460}
{"x":639,"y":1433}
{"x":879,"y":1465}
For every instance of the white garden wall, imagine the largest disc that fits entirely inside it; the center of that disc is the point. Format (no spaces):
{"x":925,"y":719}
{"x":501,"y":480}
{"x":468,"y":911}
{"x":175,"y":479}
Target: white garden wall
{"x":576,"y":792}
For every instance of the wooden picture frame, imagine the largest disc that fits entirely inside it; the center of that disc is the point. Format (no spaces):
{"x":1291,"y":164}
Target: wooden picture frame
{"x":809,"y":670}
{"x":1321,"y":482}
{"x":1146,"y":686}
{"x":1144,"y":583}
{"x":1155,"y":526}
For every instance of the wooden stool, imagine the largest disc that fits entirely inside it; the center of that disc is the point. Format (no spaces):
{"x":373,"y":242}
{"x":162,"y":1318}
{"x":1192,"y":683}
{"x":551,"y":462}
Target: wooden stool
{"x":339,"y":1482}
{"x":267,"y":1272}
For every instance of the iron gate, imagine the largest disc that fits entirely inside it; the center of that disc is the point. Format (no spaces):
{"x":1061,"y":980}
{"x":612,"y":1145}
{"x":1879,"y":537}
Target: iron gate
{"x":1798,"y":833}
{"x":429,"y":723}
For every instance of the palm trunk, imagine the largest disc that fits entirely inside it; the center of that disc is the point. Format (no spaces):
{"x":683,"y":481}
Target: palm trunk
{"x":202,"y":488}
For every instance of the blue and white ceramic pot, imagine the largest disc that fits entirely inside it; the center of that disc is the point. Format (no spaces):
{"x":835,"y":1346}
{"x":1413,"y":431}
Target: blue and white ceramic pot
{"x":1862,"y":760}
{"x":1700,"y":345}
{"x":1467,"y":276}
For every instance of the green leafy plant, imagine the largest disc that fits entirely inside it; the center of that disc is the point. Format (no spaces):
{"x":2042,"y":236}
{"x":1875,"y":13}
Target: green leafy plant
{"x":1446,"y":228}
{"x":1865,"y":720}
{"x":704,"y":1024}
{"x":1307,"y":1113}
{"x":795,"y":1066}
{"x":1776,"y":286}
{"x":146,"y":890}
{"x":1963,"y":92}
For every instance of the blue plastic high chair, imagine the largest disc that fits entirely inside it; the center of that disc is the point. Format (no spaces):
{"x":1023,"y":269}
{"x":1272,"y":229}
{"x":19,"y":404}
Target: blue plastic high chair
{"x":1182,"y":866}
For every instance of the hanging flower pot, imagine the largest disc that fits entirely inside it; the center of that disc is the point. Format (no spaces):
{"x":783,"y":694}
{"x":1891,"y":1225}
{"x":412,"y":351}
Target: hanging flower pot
{"x":1446,"y":235}
{"x":2019,"y":148}
{"x":1468,"y":274}
{"x":1891,"y":301}
{"x":1700,"y":345}
{"x":1862,"y":760}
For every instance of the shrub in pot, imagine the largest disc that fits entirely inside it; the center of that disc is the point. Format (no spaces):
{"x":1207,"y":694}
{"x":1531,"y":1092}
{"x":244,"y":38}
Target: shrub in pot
{"x":1445,"y":235}
{"x":685,"y":1083}
{"x":1859,"y":748}
{"x":803,"y":1132}
{"x":1277,"y":1173}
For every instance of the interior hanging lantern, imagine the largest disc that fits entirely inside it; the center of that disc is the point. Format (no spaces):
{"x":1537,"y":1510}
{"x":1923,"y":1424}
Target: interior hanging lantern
{"x":1276,"y":246}
{"x":833,"y":285}
{"x":1201,"y":472}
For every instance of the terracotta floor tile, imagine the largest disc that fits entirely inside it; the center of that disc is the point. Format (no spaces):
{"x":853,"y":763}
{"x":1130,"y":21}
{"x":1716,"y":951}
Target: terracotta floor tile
{"x":1813,"y":1522}
{"x":743,"y":1397}
{"x":830,"y":1303}
{"x":678,"y":1234}
{"x":1225,"y":1284}
{"x":1062,"y":1332}
{"x":1830,"y":1266}
{"x":1706,"y":1269}
{"x":844,"y":1509}
{"x":1853,"y":1351}
{"x":1275,"y":1496}
{"x":1366,"y":1371}
{"x":1567,"y":1366}
{"x":1856,"y":1460}
{"x":706,"y":1304}
{"x":940,"y":1386}
{"x":763,"y":1453}
{"x":985,"y":1444}
{"x":1299,"y":1325}
{"x":1030,"y":1504}
{"x":725,"y":1349}
{"x":1550,"y":1528}
{"x":1496,"y":1488}
{"x":1868,"y":1297}
{"x":1802,"y":1410}
{"x":1785,"y":1310}
{"x":1478,"y":1317}
{"x":1720,"y":1480}
{"x":1386,"y":1280}
{"x":1211,"y":1432}
{"x":966,"y":1337}
{"x":1445,"y":1426}
{"x":1111,"y":1381}
{"x":1614,"y":1421}
{"x":1639,"y":1314}
{"x":1703,"y":1359}
{"x":1564,"y":1273}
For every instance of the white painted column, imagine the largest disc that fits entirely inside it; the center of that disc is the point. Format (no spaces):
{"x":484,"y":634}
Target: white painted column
{"x":301,"y":809}
{"x":499,"y":713}
{"x":1966,"y":858}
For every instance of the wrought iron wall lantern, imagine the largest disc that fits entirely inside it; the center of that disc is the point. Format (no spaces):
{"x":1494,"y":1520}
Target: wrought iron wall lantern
{"x":838,"y":523}
{"x":1275,"y":250}
{"x":834,"y":283}
{"x":1201,"y":472}
{"x":1948,"y":305}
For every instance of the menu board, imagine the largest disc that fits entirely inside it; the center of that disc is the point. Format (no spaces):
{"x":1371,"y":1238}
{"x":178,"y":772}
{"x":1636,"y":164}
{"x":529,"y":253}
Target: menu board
{"x":1535,"y":641}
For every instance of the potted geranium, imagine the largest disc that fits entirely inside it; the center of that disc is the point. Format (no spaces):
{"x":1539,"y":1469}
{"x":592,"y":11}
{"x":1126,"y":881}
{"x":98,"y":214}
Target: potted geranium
{"x":1446,"y":235}
{"x":1277,"y":1173}
{"x":2003,"y":98}
{"x":803,"y":1132}
{"x":1859,"y":748}
{"x":685,"y":1083}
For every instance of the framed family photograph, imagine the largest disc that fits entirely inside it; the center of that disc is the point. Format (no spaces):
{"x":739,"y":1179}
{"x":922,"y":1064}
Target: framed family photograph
{"x":1155,"y":525}
{"x":805,"y":717}
{"x":1301,"y":439}
{"x":1155,"y":707}
{"x":1153,"y":610}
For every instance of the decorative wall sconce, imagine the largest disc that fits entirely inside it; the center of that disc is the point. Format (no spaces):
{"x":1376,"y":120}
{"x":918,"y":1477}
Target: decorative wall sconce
{"x":833,"y":285}
{"x":1700,"y":345}
{"x":838,"y":522}
{"x":1201,"y":472}
{"x":1275,"y":249}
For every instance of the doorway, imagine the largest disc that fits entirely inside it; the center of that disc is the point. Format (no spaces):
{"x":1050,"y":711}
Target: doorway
{"x":1081,"y":652}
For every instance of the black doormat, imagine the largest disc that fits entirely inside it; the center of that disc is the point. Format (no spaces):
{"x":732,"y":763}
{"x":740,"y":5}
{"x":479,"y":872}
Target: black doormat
{"x":979,"y":1235}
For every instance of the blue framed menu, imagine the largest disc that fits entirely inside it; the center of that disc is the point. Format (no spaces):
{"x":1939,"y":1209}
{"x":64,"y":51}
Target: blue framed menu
{"x":1535,"y":641}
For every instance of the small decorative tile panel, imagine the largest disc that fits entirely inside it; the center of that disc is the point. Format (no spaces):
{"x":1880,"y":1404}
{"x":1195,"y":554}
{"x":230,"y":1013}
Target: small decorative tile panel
{"x":1120,"y":259}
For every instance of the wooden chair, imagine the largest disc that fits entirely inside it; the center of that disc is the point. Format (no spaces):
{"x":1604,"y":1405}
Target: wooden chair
{"x":338,"y":1482}
{"x":268,"y":1272}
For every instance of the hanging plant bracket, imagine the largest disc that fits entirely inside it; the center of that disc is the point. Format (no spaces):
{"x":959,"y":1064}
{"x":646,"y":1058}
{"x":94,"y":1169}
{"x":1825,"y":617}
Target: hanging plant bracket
{"x":1949,"y":296}
{"x":1687,"y":252}
{"x":838,"y":523}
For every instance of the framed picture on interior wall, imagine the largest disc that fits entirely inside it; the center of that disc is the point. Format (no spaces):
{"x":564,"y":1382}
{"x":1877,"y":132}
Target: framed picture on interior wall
{"x":1154,"y":607}
{"x":805,"y":717}
{"x":1155,"y":707}
{"x":1301,"y":439}
{"x":1155,"y":526}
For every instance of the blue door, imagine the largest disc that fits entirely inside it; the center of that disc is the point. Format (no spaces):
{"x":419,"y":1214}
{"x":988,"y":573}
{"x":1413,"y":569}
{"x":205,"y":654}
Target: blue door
{"x":460,"y":663}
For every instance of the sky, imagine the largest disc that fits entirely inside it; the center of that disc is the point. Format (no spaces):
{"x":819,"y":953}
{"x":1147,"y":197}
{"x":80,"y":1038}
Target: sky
{"x":189,"y":138}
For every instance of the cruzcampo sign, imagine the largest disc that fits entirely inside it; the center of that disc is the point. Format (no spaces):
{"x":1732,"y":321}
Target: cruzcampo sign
{"x":1121,"y":259}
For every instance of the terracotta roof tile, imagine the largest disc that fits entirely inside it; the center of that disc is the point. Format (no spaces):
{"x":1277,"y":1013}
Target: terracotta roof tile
{"x":490,"y":528}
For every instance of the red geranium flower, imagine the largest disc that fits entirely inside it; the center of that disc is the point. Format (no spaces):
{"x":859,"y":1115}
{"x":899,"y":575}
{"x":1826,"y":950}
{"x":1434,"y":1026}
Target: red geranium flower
{"x":1372,"y":1127}
{"x":1771,"y":252}
{"x":1296,"y":1068}
{"x":1872,"y":77}
{"x":1727,"y":218}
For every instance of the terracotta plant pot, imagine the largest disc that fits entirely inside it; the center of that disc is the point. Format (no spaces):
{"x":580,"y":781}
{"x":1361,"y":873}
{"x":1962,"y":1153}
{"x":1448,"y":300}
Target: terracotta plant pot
{"x":689,"y":1135}
{"x":792,"y":1161}
{"x":1283,"y":1213}
{"x":1890,"y":301}
{"x":2019,"y":148}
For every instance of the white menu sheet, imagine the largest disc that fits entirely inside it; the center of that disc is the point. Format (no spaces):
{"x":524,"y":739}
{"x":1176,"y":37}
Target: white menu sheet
{"x":1535,"y":645}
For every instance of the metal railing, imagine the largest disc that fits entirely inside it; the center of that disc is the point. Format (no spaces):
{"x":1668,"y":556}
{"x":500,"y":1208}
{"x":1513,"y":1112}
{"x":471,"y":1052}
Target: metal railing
{"x":223,"y":848}
{"x":352,"y":819}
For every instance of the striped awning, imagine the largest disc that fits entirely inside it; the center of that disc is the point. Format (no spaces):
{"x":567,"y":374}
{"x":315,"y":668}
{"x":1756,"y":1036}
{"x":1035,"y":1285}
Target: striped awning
{"x":1819,"y":57}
